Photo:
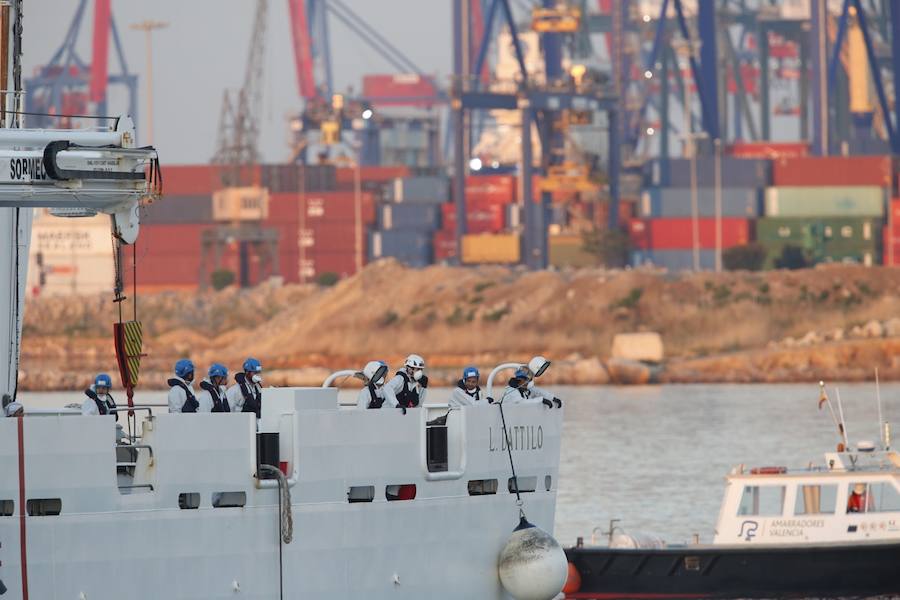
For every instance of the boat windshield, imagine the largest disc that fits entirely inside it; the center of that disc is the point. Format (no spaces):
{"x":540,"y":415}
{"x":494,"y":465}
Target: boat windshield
{"x":872,"y":497}
{"x":762,"y":501}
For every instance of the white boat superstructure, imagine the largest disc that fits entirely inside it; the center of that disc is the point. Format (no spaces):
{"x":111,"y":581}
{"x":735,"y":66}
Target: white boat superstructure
{"x":183,"y":514}
{"x":853,"y":497}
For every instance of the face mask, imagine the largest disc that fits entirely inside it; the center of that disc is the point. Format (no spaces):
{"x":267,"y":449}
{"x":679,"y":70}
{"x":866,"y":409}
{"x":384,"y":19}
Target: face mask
{"x":417,"y":375}
{"x":256,"y":379}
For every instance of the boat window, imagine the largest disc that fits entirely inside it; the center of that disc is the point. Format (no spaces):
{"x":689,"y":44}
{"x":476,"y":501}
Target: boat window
{"x":43,"y":507}
{"x":188,"y":500}
{"x":873,"y":497}
{"x":816,"y":499}
{"x":406,"y":491}
{"x":548,"y":483}
{"x":762,"y":501}
{"x":482,"y":487}
{"x":526,"y":484}
{"x":6,"y":508}
{"x":361,"y":493}
{"x":229,"y":499}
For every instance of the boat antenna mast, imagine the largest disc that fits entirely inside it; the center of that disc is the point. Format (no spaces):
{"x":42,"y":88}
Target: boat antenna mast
{"x":884,"y":428}
{"x":838,"y":423}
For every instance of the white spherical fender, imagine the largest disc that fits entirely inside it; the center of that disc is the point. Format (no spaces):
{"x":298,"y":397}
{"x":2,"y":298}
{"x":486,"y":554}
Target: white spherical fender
{"x":532,"y":565}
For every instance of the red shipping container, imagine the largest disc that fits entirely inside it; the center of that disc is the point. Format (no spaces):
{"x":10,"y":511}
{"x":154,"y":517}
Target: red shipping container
{"x":320,"y":206}
{"x":191,"y":180}
{"x":179,"y":240}
{"x":377,"y":174}
{"x":832,"y":170}
{"x":491,"y":189}
{"x":162,"y":270}
{"x":893,"y":219}
{"x":399,"y":90}
{"x":768,"y":150}
{"x":677,"y":234}
{"x":338,"y":238}
{"x":314,"y":264}
{"x":638,"y":233}
{"x":444,"y":243}
{"x":490,"y":218}
{"x":890,"y":254}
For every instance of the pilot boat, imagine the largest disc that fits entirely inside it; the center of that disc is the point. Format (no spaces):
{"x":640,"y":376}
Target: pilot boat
{"x":826,"y":530}
{"x":312,"y":500}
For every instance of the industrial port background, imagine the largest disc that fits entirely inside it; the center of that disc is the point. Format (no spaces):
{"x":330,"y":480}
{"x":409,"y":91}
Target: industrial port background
{"x":203,"y":50}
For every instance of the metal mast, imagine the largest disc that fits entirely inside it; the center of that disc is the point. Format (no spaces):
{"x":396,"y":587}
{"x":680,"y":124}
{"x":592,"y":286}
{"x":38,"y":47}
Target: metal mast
{"x":238,"y":144}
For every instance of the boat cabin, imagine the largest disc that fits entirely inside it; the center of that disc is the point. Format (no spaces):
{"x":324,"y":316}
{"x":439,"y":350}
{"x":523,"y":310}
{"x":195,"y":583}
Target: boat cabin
{"x":853,"y":497}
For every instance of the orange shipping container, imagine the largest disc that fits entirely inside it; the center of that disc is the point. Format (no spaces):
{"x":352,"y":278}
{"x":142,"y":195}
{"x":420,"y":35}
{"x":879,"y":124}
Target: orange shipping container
{"x":832,"y":171}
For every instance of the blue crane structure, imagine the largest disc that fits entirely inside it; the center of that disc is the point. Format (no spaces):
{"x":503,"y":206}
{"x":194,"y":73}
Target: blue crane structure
{"x":68,"y":84}
{"x":539,"y":105}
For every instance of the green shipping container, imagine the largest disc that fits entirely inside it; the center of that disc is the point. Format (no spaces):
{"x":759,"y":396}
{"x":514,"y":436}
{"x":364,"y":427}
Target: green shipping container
{"x":865,"y":253}
{"x":824,"y":201}
{"x":812,"y":232}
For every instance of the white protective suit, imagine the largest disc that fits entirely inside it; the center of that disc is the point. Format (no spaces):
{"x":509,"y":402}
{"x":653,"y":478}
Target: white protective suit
{"x":397,"y":384}
{"x":381,"y":392}
{"x":532,"y":395}
{"x":205,"y":399}
{"x":460,"y":396}
{"x":89,"y":407}
{"x":177,"y":397}
{"x":236,"y":397}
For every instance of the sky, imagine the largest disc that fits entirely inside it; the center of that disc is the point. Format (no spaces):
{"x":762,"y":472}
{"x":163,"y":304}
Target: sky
{"x":204,"y":50}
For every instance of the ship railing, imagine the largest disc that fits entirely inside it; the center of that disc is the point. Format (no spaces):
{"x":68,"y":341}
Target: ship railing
{"x":881,"y":465}
{"x":135,"y":447}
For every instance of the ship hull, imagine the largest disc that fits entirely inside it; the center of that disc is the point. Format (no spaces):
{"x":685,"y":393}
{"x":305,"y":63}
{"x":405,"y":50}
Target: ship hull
{"x":820,"y":571}
{"x":69,"y":529}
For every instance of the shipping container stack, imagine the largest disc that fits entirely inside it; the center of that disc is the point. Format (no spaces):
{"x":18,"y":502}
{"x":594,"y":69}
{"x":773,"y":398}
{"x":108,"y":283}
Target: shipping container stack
{"x":316,"y":234}
{"x":408,"y":218}
{"x":492,"y":218}
{"x":833,"y":208}
{"x":663,"y":234}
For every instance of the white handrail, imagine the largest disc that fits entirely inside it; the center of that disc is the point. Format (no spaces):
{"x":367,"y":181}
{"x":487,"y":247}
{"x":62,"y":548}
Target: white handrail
{"x":342,"y":373}
{"x":497,"y":369}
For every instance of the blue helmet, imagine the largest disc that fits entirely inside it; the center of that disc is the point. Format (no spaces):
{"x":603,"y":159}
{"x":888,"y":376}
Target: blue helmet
{"x":103,"y":380}
{"x":184,"y":367}
{"x":251,"y":365}
{"x":522,"y":372}
{"x":471,"y":372}
{"x":217,"y":370}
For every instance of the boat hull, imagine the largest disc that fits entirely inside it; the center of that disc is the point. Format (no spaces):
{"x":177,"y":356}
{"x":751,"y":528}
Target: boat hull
{"x":821,"y":571}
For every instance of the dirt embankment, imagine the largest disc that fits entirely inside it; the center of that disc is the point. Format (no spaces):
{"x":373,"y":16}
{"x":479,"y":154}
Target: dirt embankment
{"x":830,"y":322}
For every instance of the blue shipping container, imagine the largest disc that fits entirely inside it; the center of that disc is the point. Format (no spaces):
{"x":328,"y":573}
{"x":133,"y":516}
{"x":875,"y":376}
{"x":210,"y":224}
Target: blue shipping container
{"x":673,"y":260}
{"x":411,"y":247}
{"x":430,"y":190}
{"x":422,"y":217}
{"x":736,"y":172}
{"x":676,"y":202}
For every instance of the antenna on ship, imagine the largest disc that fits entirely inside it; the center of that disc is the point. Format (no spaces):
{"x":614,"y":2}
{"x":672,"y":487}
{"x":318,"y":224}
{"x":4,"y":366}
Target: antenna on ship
{"x":839,"y":424}
{"x":884,"y":428}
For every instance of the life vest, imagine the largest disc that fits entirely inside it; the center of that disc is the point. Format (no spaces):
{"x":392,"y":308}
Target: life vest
{"x":220,"y":402}
{"x":190,"y":402}
{"x":252,"y":395}
{"x":102,"y":405}
{"x":856,"y":503}
{"x":407,"y":398}
{"x":374,"y":400}
{"x":475,"y":395}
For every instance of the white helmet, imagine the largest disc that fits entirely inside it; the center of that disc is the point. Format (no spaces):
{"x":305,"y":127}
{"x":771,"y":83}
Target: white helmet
{"x":375,"y":371}
{"x":414,"y":361}
{"x":538,"y":365}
